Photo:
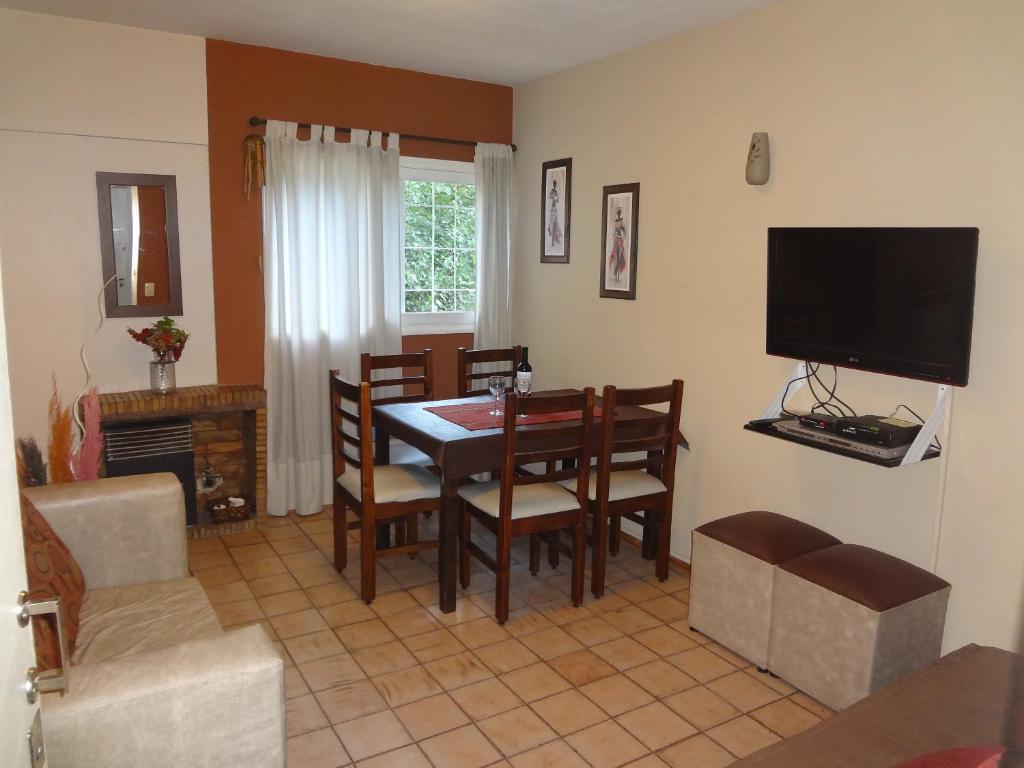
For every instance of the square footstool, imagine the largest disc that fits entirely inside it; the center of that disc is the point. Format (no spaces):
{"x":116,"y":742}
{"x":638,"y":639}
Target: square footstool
{"x":849,"y":620}
{"x":732,"y":570}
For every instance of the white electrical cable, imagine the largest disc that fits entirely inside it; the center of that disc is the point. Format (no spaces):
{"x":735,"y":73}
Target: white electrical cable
{"x":85,"y":360}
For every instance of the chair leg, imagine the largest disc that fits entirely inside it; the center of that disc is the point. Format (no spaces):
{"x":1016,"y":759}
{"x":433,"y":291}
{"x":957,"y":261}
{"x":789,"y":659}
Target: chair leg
{"x":649,"y":544}
{"x":340,"y":533}
{"x":614,"y":531}
{"x":553,"y":549}
{"x":664,"y":540}
{"x":412,"y":534}
{"x":368,"y":561}
{"x":503,"y":560}
{"x":534,"y":553}
{"x":464,"y":534}
{"x":579,"y":561}
{"x":599,"y":553}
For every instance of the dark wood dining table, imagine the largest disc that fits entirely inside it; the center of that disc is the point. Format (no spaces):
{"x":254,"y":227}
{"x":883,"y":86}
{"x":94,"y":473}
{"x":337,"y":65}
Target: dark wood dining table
{"x":459,"y":453}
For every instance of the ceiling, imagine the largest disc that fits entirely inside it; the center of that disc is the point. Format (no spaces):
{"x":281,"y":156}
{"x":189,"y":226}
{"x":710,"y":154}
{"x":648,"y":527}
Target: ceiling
{"x":499,"y":41}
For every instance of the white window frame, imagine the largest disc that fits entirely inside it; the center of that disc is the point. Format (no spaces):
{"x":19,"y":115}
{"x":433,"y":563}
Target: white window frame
{"x":428,"y":169}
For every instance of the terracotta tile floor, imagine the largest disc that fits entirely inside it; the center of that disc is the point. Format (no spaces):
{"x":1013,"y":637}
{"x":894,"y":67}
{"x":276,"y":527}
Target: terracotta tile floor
{"x":620,"y":681}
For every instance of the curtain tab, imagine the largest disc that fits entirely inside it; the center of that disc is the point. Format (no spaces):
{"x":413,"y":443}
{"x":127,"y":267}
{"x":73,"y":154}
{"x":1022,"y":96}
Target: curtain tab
{"x":328,"y":134}
{"x":375,"y":139}
{"x":358,"y":137}
{"x":315,"y":133}
{"x":291,"y":130}
{"x":393,"y":139}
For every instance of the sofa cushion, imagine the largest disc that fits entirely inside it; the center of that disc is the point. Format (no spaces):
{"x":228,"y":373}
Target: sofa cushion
{"x":52,"y":572}
{"x":124,"y":621}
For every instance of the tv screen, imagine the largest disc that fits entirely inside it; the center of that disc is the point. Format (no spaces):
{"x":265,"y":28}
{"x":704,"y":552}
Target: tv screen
{"x":890,"y":300}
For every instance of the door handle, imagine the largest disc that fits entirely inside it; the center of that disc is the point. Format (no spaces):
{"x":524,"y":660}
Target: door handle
{"x":53,"y":679}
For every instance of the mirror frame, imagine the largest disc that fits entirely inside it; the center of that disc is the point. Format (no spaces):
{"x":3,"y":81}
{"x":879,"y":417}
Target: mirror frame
{"x":104,"y":181}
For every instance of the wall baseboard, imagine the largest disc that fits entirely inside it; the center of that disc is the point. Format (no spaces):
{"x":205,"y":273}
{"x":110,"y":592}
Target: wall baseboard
{"x":633,"y":541}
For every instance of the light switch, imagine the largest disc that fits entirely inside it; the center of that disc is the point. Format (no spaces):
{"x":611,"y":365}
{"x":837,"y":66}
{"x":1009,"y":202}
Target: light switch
{"x":150,"y":289}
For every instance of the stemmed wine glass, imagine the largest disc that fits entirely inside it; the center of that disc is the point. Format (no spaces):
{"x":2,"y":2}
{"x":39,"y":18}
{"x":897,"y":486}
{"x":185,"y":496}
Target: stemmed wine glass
{"x":497,"y":386}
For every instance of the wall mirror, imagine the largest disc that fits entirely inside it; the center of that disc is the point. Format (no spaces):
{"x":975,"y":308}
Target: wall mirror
{"x":139,"y":244}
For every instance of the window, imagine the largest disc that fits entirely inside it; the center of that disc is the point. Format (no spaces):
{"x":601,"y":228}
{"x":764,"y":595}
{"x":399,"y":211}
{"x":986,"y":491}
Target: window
{"x":438,"y":246}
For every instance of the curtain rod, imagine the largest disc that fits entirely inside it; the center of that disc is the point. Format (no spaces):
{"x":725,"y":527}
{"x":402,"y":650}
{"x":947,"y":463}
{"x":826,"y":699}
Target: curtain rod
{"x":254,"y":121}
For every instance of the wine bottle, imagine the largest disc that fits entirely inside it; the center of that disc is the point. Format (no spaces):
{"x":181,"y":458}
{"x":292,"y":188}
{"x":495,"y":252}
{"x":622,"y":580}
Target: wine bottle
{"x":524,"y":374}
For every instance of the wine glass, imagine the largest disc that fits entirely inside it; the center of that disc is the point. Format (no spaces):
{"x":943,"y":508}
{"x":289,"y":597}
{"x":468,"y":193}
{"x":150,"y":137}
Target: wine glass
{"x":497,"y":386}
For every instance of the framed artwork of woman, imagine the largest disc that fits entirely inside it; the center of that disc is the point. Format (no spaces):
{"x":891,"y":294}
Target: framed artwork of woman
{"x":621,"y":206}
{"x":555,"y":197}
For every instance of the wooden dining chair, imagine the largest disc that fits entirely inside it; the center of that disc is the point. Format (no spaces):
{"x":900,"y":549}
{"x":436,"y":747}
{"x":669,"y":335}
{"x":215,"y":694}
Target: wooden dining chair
{"x":414,"y":373}
{"x":377,"y":494}
{"x":636,"y":489}
{"x":528,"y":504}
{"x":509,"y":360}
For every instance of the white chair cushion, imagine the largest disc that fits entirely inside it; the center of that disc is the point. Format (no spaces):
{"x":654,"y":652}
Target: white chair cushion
{"x":527,"y":500}
{"x":403,"y":453}
{"x":394,"y":482}
{"x":623,"y":485}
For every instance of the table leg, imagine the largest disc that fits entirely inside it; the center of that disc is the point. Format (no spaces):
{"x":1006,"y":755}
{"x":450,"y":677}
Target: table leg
{"x":448,"y":548}
{"x":382,"y":456}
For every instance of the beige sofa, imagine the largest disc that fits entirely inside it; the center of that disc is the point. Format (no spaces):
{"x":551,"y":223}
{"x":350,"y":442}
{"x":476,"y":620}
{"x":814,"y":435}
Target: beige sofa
{"x":154,"y":680}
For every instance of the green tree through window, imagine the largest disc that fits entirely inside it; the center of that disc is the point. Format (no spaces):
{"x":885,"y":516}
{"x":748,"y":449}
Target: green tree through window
{"x":439,"y":265}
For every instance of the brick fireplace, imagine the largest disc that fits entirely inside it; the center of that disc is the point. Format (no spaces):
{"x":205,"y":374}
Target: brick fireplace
{"x":229,"y":434}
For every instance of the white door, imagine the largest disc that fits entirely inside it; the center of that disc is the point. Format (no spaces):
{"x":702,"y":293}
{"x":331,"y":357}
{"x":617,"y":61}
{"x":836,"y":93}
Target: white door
{"x":16,"y":651}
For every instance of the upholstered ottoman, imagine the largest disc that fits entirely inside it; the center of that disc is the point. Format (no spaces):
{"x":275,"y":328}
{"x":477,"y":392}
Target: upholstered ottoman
{"x":849,"y":620}
{"x":732,"y":568}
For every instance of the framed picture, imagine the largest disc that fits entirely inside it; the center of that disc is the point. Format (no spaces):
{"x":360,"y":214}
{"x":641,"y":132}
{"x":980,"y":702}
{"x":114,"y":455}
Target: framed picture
{"x":555,"y":198}
{"x":618,"y":241}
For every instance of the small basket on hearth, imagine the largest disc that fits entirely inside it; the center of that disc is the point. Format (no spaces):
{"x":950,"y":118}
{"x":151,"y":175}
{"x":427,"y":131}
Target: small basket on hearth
{"x":221,"y":510}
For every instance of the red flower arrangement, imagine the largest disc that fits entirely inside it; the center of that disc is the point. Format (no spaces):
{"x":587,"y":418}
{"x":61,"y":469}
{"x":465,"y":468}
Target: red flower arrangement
{"x":163,"y":337}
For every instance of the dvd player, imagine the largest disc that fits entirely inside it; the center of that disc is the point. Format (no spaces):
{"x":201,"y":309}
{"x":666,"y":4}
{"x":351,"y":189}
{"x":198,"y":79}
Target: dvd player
{"x":838,"y":440}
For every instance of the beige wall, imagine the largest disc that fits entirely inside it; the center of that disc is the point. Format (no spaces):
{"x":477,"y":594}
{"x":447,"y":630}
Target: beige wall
{"x":79,"y":97}
{"x":880,"y":113}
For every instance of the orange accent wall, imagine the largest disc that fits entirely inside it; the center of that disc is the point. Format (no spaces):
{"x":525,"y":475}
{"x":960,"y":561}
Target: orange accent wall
{"x":446,"y":359}
{"x":246,"y":80}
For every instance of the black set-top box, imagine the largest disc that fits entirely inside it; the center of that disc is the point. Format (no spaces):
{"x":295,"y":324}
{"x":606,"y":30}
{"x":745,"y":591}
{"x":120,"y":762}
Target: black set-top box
{"x":886,"y":431}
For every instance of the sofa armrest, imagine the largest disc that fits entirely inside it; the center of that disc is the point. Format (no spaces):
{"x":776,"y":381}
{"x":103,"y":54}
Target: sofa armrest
{"x":212,"y":702}
{"x":121,"y":530}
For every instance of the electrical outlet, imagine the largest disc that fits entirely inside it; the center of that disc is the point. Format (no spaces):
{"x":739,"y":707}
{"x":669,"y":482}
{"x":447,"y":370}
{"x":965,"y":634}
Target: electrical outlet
{"x":150,"y":289}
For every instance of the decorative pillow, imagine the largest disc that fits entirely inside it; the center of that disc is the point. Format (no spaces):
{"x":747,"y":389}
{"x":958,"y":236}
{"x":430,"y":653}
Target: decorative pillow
{"x":52,"y":572}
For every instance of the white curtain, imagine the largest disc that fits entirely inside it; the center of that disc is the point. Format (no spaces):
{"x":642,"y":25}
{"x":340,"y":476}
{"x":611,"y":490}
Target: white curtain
{"x":331,"y":244}
{"x":493,"y":246}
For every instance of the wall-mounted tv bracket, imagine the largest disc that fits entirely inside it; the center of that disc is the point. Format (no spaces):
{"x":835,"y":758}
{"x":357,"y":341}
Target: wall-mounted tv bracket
{"x":798,"y":379}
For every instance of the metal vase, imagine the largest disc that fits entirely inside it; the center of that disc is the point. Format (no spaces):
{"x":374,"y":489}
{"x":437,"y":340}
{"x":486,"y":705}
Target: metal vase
{"x":161,"y":373}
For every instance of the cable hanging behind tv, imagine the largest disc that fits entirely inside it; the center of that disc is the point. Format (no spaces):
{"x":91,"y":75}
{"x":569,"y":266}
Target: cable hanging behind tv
{"x":897,"y":301}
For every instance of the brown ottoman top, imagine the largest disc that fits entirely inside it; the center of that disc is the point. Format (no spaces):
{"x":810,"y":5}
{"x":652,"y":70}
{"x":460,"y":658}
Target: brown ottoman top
{"x":767,"y":536}
{"x":874,"y":579}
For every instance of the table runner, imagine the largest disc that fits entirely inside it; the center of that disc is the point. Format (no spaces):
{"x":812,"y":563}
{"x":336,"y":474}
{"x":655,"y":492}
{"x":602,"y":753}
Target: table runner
{"x":477,"y":416}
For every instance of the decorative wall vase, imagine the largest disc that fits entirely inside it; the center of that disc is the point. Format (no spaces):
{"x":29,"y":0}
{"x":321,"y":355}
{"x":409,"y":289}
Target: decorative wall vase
{"x":161,"y":373}
{"x":759,"y":162}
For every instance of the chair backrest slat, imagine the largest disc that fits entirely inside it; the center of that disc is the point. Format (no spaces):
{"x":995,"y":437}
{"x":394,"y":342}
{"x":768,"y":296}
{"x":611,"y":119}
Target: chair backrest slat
{"x":656,"y":436}
{"x":416,"y":375}
{"x":568,"y":442}
{"x":470,"y":357}
{"x":350,"y":406}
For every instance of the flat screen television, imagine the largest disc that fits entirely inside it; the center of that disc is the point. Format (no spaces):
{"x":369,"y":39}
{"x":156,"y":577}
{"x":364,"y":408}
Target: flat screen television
{"x":890,"y":300}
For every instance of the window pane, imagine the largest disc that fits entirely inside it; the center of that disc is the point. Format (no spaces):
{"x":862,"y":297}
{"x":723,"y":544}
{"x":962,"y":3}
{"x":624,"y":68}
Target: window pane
{"x":418,"y":269}
{"x":444,"y":269}
{"x":444,"y":227}
{"x":465,"y":229}
{"x":444,"y":194}
{"x":439,"y":260}
{"x":418,"y":193}
{"x":465,"y":269}
{"x":465,"y":195}
{"x":418,"y":226}
{"x":444,"y":301}
{"x":417,"y":301}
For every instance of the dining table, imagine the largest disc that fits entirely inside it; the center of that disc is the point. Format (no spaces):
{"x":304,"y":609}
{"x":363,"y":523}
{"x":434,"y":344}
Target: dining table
{"x":460,"y":452}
